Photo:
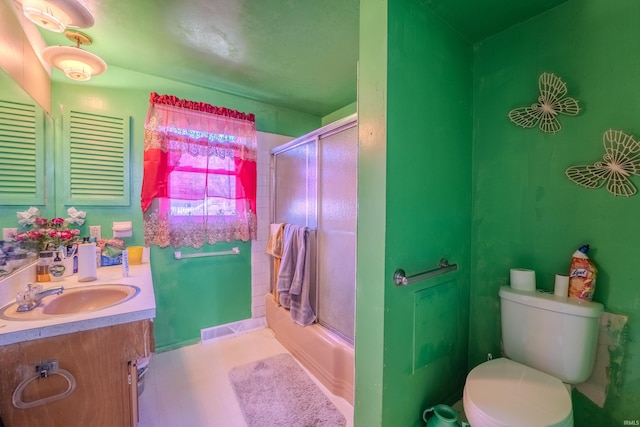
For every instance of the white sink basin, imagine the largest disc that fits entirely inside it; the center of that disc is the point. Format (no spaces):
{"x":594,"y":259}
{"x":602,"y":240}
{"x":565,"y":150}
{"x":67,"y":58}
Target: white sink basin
{"x":81,"y":299}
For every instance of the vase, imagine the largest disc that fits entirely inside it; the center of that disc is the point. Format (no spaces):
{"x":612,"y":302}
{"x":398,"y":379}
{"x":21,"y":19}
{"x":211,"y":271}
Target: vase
{"x":443,"y":416}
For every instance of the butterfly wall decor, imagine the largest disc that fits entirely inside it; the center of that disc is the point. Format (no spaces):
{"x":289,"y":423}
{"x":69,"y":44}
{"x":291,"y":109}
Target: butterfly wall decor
{"x":621,"y":161}
{"x":551,"y":102}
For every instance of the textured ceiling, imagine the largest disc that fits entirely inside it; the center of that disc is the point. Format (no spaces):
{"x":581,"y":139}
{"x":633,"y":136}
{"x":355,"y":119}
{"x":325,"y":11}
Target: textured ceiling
{"x":299,"y":54}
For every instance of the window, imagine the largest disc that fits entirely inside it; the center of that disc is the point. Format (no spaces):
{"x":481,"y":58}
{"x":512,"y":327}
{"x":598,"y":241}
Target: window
{"x":199,"y":182}
{"x":213,"y":173}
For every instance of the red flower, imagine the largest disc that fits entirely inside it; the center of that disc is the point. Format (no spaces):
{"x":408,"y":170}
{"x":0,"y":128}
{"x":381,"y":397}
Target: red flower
{"x":34,"y":235}
{"x":57,"y":222}
{"x":66,"y":234}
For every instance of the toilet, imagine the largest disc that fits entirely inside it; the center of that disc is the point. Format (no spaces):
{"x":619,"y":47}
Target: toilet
{"x":549,"y":344}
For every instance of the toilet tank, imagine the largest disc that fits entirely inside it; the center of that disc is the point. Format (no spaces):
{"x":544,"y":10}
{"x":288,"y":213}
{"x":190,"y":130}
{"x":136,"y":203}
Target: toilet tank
{"x":556,"y":335}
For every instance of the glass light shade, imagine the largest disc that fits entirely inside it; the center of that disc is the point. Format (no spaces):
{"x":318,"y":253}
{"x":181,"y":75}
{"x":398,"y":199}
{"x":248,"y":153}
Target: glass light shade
{"x":76,"y":63}
{"x":76,"y":70}
{"x":45,"y":15}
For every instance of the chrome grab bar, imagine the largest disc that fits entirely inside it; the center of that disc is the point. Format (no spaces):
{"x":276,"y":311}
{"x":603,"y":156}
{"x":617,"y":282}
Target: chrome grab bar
{"x":180,"y":255}
{"x":400,"y":277}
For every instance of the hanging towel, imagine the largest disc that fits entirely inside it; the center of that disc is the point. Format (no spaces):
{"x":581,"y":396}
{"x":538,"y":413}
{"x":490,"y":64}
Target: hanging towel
{"x":274,"y":281}
{"x":293,"y":278}
{"x":276,"y":240}
{"x":275,"y":245}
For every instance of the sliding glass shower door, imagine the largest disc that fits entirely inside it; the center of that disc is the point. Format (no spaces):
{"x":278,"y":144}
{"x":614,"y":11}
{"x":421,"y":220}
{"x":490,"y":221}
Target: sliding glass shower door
{"x":315,"y":184}
{"x":337,"y":220}
{"x":294,"y":192}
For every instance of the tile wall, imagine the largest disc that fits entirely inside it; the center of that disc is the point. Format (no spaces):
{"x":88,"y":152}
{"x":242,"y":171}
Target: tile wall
{"x":260,"y":261}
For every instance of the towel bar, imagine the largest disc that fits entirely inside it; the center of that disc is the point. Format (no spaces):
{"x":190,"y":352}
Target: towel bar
{"x":400,"y":277}
{"x":43,"y":370}
{"x":234,"y":251}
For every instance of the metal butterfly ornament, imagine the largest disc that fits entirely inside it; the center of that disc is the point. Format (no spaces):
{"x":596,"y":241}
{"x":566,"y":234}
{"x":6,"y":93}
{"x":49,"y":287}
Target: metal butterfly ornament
{"x":551,"y":102}
{"x":621,"y":161}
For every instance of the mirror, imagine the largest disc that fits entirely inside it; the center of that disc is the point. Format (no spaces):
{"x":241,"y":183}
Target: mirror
{"x":10,"y":261}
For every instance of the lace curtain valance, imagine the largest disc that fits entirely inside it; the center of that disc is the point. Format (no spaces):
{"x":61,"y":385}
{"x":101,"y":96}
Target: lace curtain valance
{"x":199,"y":183}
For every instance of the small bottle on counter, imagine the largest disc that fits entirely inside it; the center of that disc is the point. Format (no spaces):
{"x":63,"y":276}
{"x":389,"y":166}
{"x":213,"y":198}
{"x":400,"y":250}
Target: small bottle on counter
{"x":98,"y":252}
{"x":45,"y":258}
{"x":125,"y":263}
{"x":57,"y":268}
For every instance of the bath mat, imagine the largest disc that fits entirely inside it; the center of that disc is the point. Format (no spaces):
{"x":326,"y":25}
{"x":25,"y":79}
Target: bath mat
{"x":277,"y":392}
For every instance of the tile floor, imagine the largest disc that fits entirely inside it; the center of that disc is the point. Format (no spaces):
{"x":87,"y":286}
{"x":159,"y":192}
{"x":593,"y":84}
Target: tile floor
{"x":189,"y":387}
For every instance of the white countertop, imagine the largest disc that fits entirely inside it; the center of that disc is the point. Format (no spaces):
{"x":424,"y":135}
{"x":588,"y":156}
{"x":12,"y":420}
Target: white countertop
{"x":141,"y":307}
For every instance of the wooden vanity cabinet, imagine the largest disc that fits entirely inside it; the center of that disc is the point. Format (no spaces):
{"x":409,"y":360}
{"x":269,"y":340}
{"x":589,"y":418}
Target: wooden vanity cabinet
{"x":103,"y":363}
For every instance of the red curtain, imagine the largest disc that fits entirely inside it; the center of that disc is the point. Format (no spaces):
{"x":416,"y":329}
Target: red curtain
{"x":199,"y":183}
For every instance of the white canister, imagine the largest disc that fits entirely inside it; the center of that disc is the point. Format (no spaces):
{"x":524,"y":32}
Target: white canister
{"x":68,"y":266}
{"x":87,"y":269}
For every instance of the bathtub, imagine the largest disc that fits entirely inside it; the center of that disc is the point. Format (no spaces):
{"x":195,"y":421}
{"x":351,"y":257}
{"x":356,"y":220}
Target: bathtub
{"x":327,"y":357}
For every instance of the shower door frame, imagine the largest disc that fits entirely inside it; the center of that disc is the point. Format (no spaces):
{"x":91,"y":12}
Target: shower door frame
{"x":314,"y":136}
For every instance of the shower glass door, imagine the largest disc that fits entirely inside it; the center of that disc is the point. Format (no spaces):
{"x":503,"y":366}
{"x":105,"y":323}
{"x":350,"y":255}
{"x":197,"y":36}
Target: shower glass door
{"x":295,"y":185}
{"x":315,"y":184}
{"x":337,"y":220}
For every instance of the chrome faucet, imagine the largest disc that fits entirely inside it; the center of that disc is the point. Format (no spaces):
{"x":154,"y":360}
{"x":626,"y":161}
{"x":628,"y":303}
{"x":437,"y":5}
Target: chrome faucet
{"x":32,"y":295}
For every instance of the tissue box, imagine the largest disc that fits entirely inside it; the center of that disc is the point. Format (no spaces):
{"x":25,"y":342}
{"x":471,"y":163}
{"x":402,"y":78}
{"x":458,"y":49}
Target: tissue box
{"x":106,"y":261}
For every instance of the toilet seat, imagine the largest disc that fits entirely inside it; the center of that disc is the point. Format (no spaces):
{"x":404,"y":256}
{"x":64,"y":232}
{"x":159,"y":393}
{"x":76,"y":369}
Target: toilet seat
{"x":504,"y":393}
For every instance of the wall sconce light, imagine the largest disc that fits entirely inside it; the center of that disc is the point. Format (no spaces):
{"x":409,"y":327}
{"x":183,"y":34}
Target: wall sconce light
{"x":76,"y":63}
{"x":57,"y":15}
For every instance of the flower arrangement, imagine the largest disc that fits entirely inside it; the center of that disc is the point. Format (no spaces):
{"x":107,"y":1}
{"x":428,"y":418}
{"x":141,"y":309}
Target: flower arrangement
{"x":48,"y":234}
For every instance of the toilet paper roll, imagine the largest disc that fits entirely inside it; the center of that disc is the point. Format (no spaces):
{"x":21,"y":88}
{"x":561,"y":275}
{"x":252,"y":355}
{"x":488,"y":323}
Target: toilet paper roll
{"x":523,"y":279}
{"x":87,"y":269}
{"x":561,"y":288}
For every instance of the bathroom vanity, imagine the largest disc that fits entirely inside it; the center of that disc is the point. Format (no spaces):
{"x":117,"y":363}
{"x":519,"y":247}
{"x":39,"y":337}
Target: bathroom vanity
{"x":77,"y":368}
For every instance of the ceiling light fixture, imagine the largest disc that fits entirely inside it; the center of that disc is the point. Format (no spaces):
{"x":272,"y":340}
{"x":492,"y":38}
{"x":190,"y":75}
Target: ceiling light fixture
{"x":76,"y":63}
{"x":57,"y":15}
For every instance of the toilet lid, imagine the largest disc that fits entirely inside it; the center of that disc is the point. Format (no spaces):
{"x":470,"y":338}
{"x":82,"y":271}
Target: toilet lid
{"x":513,"y":394}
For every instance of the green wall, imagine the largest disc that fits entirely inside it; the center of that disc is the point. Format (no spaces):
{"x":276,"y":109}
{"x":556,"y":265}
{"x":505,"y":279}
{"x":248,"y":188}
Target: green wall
{"x":345,"y":111}
{"x":415,"y":118}
{"x":370,"y":257}
{"x":526,"y":213}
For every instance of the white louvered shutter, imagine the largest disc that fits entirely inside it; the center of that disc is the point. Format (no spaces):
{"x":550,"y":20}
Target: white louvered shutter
{"x":21,"y":154}
{"x":97,"y":158}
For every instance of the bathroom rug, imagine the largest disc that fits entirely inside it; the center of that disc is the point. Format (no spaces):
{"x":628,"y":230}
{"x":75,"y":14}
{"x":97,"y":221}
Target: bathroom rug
{"x":277,"y":392}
